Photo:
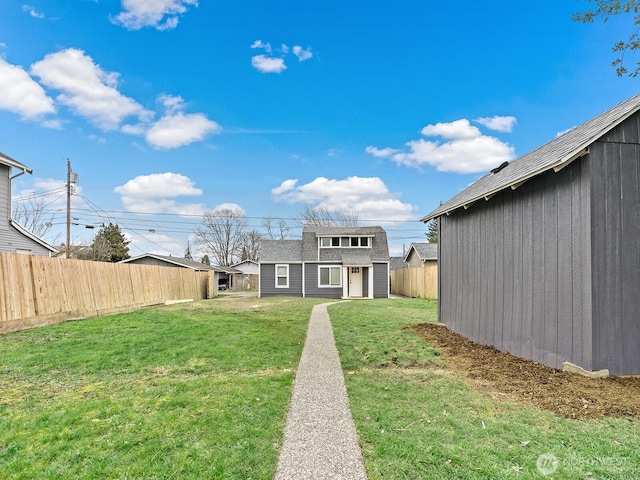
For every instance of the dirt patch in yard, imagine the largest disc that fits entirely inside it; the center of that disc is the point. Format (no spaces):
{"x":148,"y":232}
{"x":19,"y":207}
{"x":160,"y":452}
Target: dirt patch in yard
{"x":503,"y":376}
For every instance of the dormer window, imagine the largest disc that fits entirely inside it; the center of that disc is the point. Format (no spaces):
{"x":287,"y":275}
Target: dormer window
{"x":359,"y":241}
{"x":330,"y":242}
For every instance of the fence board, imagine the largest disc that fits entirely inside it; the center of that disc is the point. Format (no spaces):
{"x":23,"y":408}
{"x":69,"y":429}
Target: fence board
{"x":415,"y":282}
{"x":40,"y":290}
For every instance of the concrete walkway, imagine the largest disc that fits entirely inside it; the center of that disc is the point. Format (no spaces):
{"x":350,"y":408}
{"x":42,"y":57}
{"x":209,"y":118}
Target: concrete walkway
{"x":320,"y":440}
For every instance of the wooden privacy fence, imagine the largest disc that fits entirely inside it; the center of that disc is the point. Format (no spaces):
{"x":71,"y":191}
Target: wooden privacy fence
{"x":415,"y":282}
{"x":245,"y":281}
{"x":38,"y":291}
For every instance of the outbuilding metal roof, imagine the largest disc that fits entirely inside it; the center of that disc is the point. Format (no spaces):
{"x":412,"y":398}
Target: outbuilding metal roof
{"x":555,"y":155}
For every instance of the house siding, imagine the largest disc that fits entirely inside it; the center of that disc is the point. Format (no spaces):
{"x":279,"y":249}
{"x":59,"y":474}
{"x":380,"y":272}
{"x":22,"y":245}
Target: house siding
{"x":514,"y":272}
{"x":365,"y":281}
{"x":268,"y":281}
{"x":312,"y":289}
{"x":11,"y":239}
{"x":615,"y":203}
{"x":380,"y":280}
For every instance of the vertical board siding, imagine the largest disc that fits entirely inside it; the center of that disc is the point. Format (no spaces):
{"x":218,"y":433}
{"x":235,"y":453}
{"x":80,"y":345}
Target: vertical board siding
{"x":512,"y":270}
{"x":380,"y":280}
{"x":616,"y":247}
{"x":41,"y":290}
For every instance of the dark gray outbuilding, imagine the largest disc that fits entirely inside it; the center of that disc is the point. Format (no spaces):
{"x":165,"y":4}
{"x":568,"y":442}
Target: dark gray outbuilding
{"x":542,"y":258}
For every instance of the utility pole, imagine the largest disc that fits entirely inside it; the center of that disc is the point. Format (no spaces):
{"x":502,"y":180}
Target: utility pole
{"x":71,"y":178}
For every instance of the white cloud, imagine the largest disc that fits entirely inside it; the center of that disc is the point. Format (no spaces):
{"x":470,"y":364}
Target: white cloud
{"x":380,"y":152}
{"x":498,"y":123}
{"x":21,"y":94}
{"x":464,"y":150}
{"x":159,"y":14}
{"x":151,"y":206}
{"x":265,"y":64}
{"x":273,"y":61}
{"x":230,"y":206}
{"x":179,"y":129}
{"x":172,"y":103}
{"x":368,"y":197}
{"x":285,"y":186}
{"x":175,"y":128}
{"x":152,"y":193}
{"x":457,"y":130}
{"x":301,"y":53}
{"x":158,"y":185}
{"x":32,"y":11}
{"x":260,"y":44}
{"x":86,"y":89}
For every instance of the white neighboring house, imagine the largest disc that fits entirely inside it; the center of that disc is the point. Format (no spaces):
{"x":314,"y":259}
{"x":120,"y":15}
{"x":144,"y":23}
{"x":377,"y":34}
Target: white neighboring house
{"x":14,"y":237}
{"x":250,"y":267}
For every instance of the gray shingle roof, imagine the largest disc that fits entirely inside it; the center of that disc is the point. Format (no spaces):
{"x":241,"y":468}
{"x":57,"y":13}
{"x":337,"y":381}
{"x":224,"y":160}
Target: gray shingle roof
{"x":425,"y":250}
{"x":554,"y":155}
{"x":286,"y":251}
{"x":379,"y":251}
{"x":397,"y":262}
{"x":182,"y":262}
{"x":356,"y":259}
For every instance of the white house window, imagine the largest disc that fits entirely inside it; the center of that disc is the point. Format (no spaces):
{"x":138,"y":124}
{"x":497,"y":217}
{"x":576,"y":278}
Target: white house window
{"x":330,"y":276}
{"x":282,"y":276}
{"x":23,"y":251}
{"x":359,"y":241}
{"x":330,"y":242}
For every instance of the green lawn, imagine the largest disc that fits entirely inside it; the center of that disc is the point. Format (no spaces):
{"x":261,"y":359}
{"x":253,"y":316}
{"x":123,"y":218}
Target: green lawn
{"x":416,"y":420}
{"x":189,"y":391}
{"x":201,"y":391}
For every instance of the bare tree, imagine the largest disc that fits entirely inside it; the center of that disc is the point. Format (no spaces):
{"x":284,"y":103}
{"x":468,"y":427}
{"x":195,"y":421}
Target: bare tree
{"x":251,"y":245}
{"x":277,"y":228}
{"x":321,"y":216}
{"x":30,"y":212}
{"x":222,"y":233}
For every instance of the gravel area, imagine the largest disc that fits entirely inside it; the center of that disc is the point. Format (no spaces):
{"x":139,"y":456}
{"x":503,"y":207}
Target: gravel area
{"x":320,"y":439}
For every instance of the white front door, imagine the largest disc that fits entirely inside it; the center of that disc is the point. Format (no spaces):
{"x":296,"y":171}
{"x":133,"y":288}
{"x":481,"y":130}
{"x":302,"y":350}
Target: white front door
{"x":355,"y":281}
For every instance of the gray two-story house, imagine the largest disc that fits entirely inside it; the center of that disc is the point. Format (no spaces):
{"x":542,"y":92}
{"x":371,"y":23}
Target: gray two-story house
{"x":13,"y":237}
{"x":329,"y":262}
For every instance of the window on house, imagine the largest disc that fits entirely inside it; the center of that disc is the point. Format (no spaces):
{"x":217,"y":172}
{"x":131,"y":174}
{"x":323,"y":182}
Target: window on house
{"x":330,"y":242}
{"x":282,"y":276}
{"x":359,"y":241}
{"x":330,"y":276}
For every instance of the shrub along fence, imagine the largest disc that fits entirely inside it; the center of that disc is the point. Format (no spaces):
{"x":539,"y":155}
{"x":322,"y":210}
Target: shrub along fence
{"x":415,"y":282}
{"x":37,"y":291}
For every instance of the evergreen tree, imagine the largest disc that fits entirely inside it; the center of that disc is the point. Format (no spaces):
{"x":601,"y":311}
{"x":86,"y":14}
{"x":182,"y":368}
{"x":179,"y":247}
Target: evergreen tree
{"x":110,"y":244}
{"x":432,"y":231}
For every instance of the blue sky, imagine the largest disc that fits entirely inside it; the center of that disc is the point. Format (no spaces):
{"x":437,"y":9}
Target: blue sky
{"x":171,"y":108}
